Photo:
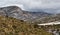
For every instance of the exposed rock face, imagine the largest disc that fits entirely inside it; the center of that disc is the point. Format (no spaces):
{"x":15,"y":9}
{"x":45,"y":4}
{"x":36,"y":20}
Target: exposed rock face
{"x":16,"y":12}
{"x":10,"y":11}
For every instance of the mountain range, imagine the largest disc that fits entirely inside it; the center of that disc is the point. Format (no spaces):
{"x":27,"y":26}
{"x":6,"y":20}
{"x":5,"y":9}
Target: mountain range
{"x":17,"y":12}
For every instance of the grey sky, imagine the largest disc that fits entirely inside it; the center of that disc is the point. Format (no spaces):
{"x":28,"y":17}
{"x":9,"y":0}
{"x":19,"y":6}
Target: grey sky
{"x":47,"y":5}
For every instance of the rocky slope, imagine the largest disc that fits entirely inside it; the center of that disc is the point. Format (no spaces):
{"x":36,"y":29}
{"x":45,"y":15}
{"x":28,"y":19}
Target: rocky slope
{"x":16,"y":12}
{"x":48,"y":19}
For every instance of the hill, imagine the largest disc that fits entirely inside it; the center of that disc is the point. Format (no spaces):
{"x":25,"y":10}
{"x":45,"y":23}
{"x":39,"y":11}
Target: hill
{"x":48,"y":19}
{"x":12,"y":26}
{"x":17,"y":12}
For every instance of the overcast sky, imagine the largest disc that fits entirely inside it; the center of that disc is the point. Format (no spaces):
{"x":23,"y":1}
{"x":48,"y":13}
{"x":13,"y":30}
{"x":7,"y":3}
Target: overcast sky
{"x":52,"y":6}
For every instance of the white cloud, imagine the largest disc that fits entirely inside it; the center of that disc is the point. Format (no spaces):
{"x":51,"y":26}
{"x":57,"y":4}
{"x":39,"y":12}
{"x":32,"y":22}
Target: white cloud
{"x":32,"y":4}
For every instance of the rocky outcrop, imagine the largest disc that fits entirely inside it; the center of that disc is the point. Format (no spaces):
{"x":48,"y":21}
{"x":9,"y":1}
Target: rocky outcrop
{"x":16,"y":12}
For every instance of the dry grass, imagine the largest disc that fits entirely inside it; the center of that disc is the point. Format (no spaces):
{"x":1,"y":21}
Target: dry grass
{"x":12,"y":26}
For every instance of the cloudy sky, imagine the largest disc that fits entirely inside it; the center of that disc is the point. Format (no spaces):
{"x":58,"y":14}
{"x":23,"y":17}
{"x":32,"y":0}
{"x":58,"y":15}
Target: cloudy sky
{"x":51,"y":6}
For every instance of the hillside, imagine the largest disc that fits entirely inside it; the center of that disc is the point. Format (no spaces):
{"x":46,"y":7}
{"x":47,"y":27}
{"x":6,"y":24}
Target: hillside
{"x":12,"y":26}
{"x":48,"y":19}
{"x":12,"y":21}
{"x":17,"y":12}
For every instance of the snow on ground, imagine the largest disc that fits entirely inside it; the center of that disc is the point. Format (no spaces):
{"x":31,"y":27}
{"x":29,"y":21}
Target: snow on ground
{"x":51,"y":23}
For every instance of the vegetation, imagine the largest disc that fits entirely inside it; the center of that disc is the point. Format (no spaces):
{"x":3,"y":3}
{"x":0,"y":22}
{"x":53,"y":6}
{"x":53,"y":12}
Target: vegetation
{"x":48,"y":19}
{"x":12,"y":26}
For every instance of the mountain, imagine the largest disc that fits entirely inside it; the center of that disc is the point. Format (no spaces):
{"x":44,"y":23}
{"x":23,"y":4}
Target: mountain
{"x":16,"y":12}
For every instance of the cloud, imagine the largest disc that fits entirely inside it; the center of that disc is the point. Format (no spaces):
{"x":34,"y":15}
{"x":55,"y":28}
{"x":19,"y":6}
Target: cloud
{"x":46,"y":5}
